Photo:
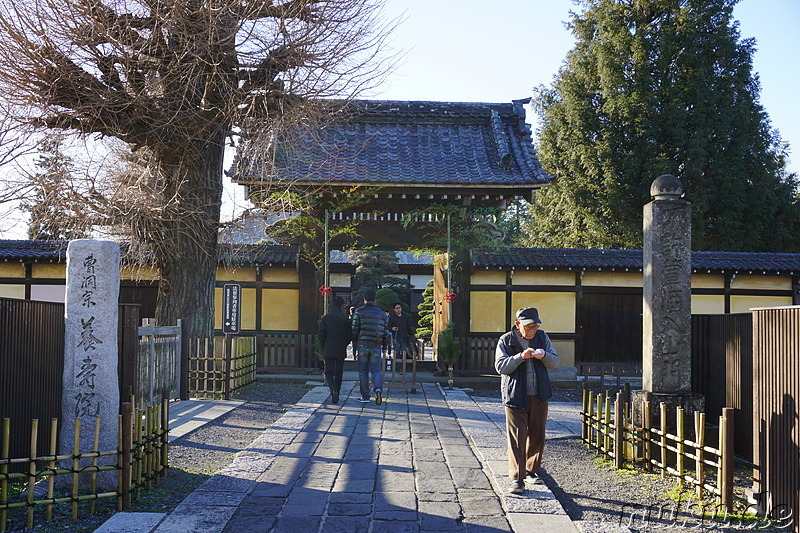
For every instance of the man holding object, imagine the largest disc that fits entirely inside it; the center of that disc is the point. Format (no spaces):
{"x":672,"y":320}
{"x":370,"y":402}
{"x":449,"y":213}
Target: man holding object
{"x":522,"y":358}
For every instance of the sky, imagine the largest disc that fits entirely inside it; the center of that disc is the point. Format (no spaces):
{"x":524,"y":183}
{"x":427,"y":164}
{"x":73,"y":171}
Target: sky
{"x":498,"y":51}
{"x":479,"y":51}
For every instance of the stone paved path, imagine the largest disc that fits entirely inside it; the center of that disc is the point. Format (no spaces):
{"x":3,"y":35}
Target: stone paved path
{"x":424,"y":462}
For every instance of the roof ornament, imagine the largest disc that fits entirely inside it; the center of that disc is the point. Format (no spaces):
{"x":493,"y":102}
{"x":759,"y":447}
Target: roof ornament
{"x":501,"y":140}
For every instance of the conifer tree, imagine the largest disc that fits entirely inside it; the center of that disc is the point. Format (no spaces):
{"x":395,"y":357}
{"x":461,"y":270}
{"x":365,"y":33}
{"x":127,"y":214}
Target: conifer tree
{"x":425,"y":308}
{"x":661,"y":87}
{"x":52,"y":218}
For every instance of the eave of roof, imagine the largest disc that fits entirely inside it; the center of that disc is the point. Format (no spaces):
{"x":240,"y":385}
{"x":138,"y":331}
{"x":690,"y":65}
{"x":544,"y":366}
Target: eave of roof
{"x":580,"y":259}
{"x":400,"y":145}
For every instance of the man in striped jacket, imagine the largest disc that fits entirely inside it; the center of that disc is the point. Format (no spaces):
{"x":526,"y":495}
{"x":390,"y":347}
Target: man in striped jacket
{"x":372,"y":339}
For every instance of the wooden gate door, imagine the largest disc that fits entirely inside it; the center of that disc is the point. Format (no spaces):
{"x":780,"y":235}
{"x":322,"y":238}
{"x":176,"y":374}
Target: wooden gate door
{"x":610,"y":328}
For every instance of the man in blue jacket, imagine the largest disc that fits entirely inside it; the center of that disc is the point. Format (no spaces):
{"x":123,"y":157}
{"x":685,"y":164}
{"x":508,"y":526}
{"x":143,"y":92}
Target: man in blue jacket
{"x":522,"y":358}
{"x":372,"y":339}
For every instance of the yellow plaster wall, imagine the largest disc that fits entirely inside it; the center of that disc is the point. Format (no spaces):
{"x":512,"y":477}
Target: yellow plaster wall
{"x":708,"y":281}
{"x":49,"y":271}
{"x":137,"y":273}
{"x":742,"y":304}
{"x":284,"y":275}
{"x":708,"y":304}
{"x":488,"y":277}
{"x":12,"y":291}
{"x":11,"y":271}
{"x":238,"y":274}
{"x":248,"y":309}
{"x":528,"y":277}
{"x":612,"y":279}
{"x":279,"y":309}
{"x":556,"y":309}
{"x":761,"y":282}
{"x":487,"y":311}
{"x":566,"y":352}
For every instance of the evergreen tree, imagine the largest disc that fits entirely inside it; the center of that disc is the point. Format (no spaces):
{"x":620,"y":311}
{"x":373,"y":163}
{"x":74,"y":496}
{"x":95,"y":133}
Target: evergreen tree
{"x":425,"y":320}
{"x":661,"y":87}
{"x":52,"y":216}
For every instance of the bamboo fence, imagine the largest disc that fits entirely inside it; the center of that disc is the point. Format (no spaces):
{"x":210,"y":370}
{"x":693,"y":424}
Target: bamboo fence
{"x":609,"y":428}
{"x":217,"y":370}
{"x":44,"y":481}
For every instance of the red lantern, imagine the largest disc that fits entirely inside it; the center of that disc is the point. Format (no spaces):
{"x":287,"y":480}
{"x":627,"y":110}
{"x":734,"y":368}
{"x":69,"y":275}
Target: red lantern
{"x":325,"y":290}
{"x":450,"y":297}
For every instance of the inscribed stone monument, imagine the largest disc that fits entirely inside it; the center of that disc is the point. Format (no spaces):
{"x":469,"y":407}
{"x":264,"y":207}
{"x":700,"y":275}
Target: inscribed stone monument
{"x":90,"y":381}
{"x":667,"y":306}
{"x":667,"y":311}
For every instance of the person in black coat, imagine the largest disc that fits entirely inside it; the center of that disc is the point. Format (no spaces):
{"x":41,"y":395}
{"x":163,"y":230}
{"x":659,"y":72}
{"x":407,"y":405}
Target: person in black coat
{"x":334,"y":336}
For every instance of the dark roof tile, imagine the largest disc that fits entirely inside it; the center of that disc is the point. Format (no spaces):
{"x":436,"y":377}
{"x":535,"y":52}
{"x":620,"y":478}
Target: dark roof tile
{"x":586,"y":259}
{"x":411,"y":143}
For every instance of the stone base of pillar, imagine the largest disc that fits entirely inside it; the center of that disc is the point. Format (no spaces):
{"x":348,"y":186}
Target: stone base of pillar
{"x":691,"y":402}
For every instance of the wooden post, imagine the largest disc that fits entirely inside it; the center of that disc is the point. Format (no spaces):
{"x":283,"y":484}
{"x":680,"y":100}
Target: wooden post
{"x":585,"y":402}
{"x":679,"y":429}
{"x":32,"y":469}
{"x":127,"y":446}
{"x":260,"y":353}
{"x":51,"y":479}
{"x":647,"y":435}
{"x":128,"y":346}
{"x":726,"y":459}
{"x":183,"y":392}
{"x":607,"y":425}
{"x":164,"y":432}
{"x":619,"y":430}
{"x":228,"y":362}
{"x":700,"y":437}
{"x":663,"y":422}
{"x":5,"y":442}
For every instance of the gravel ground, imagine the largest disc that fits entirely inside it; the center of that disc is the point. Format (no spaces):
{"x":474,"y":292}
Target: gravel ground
{"x":589,"y":489}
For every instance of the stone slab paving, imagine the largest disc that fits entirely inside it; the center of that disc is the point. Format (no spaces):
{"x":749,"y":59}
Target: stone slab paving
{"x":428,"y":461}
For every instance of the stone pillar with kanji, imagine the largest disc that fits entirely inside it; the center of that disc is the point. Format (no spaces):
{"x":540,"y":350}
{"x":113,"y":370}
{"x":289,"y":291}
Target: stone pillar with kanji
{"x":667,"y":305}
{"x":90,"y":380}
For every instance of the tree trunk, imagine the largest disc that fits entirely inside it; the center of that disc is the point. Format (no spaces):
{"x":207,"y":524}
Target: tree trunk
{"x":187,"y":253}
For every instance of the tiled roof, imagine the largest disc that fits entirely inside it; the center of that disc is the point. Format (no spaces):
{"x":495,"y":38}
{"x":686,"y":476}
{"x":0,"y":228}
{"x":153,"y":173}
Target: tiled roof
{"x":56,"y":252}
{"x":518,"y":258}
{"x":412,"y":143}
{"x":595,"y":259}
{"x":22,"y":250}
{"x":403,"y":258}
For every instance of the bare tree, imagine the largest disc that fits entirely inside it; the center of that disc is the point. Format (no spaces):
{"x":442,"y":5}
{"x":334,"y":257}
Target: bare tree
{"x":174,"y":79}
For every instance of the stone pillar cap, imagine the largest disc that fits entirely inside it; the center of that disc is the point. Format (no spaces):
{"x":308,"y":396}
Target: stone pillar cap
{"x":666,"y":186}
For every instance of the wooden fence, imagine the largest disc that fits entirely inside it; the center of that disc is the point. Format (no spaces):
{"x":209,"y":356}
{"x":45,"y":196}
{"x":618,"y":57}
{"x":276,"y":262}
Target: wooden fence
{"x":288,"y":350}
{"x":161,"y":362}
{"x":776,"y":446}
{"x":28,"y":486}
{"x":722,"y":371}
{"x":609,"y":428}
{"x":31,"y":367}
{"x":218,"y":368}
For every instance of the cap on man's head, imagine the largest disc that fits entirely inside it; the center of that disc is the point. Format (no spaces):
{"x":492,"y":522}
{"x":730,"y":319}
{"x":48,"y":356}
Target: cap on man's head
{"x":528,"y":315}
{"x":369,"y":295}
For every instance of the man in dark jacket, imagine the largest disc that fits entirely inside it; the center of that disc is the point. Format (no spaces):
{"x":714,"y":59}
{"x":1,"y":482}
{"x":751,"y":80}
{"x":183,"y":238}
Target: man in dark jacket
{"x":522,"y":358}
{"x":400,"y":326}
{"x":372,"y":339}
{"x":334,"y":336}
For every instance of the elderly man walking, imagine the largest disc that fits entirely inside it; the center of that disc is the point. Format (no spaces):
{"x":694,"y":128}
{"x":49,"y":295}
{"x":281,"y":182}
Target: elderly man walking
{"x":522,"y":358}
{"x":372,"y":339}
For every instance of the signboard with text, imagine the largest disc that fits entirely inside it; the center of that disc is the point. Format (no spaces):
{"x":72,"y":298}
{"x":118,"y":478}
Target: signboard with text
{"x":231,"y":308}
